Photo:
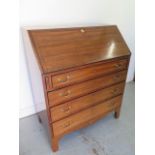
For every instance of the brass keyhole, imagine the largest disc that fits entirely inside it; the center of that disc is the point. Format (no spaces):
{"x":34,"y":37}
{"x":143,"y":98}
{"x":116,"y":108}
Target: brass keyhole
{"x":82,"y":30}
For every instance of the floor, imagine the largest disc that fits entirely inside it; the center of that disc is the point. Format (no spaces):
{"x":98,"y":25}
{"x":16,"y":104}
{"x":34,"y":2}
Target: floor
{"x":106,"y":137}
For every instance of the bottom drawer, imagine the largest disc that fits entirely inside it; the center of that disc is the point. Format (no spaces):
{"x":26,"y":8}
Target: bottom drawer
{"x":83,"y":118}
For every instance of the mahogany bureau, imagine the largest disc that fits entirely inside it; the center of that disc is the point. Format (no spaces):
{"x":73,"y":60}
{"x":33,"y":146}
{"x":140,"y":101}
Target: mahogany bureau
{"x":79,"y":73}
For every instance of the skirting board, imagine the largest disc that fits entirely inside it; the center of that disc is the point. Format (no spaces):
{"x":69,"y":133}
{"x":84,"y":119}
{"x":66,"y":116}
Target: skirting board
{"x":27,"y":111}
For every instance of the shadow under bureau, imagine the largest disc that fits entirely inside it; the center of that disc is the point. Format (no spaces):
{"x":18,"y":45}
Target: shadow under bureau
{"x":78,"y":73}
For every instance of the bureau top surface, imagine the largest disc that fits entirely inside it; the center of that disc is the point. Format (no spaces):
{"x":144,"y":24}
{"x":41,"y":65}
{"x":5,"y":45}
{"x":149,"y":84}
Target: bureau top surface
{"x":59,"y":49}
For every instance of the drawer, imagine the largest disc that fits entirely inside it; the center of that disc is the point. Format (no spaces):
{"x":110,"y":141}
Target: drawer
{"x":88,"y":73}
{"x":71,"y":92}
{"x":84,"y":117}
{"x":76,"y":105}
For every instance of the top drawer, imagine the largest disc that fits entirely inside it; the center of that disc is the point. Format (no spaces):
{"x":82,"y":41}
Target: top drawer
{"x":88,"y":73}
{"x":71,"y":92}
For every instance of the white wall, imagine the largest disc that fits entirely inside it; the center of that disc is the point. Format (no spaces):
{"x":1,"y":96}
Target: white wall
{"x":69,"y":13}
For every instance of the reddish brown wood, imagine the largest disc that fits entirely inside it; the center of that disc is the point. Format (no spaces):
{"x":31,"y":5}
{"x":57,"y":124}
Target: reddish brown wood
{"x":83,"y":71}
{"x":71,"y":92}
{"x":71,"y":123}
{"x":88,"y":73}
{"x":59,"y":49}
{"x":55,"y":143}
{"x":69,"y":108}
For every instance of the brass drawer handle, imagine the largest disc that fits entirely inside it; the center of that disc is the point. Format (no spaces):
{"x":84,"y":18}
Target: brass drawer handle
{"x":115,"y":91}
{"x":67,"y":124}
{"x":65,"y":94}
{"x":66,"y":109}
{"x":64,"y":79}
{"x":118,"y":65}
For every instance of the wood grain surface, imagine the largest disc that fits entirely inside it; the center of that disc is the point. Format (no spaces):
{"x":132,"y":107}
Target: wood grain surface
{"x":59,"y":49}
{"x":83,"y":73}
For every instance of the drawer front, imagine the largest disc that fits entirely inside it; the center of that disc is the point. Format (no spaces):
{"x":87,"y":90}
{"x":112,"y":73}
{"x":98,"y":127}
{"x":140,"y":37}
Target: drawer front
{"x":88,"y":73}
{"x":83,"y":118}
{"x":71,"y":92}
{"x":76,"y":105}
{"x":105,"y":107}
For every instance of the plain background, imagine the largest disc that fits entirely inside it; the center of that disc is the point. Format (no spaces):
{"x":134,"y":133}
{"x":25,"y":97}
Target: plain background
{"x":145,"y":77}
{"x":70,"y":13}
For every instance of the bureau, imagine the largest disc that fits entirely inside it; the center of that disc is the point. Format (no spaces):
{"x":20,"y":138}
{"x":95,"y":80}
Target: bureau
{"x":77,"y":74}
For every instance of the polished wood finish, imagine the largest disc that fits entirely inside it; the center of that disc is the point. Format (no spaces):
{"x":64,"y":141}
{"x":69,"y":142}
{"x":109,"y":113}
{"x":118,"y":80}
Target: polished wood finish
{"x":71,"y":107}
{"x":88,"y":73}
{"x":59,"y":49}
{"x":68,"y":124}
{"x":83,"y":72}
{"x":71,"y":92}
